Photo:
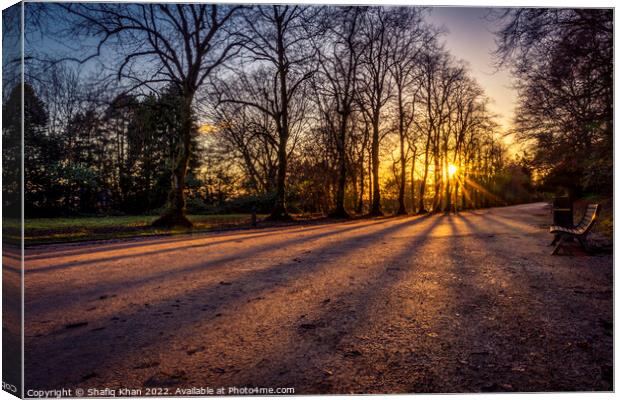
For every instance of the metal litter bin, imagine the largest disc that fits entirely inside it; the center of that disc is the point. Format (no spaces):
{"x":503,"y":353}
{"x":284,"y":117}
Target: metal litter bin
{"x":563,"y":211}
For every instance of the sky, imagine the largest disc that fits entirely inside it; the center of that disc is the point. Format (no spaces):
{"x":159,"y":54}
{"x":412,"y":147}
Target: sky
{"x":470,"y":38}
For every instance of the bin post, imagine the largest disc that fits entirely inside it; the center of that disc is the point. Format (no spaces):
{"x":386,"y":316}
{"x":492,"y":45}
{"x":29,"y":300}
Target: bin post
{"x":563,"y":211}
{"x":253,"y":216}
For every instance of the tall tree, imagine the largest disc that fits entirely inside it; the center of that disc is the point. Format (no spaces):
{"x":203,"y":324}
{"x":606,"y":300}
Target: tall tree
{"x":376,"y":85}
{"x":178,"y":44}
{"x":278,"y":41}
{"x":429,"y":65}
{"x":340,"y":59}
{"x":41,"y":153}
{"x":410,"y":35}
{"x":563,"y":61}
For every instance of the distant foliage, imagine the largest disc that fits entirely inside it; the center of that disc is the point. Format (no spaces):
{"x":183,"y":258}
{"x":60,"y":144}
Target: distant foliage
{"x":104,"y":159}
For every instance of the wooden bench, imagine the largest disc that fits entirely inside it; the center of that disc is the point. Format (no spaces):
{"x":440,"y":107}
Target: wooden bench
{"x":580,"y":231}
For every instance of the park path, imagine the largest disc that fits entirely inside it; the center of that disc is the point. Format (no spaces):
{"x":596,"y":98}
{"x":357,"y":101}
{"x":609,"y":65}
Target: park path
{"x":442,"y":303}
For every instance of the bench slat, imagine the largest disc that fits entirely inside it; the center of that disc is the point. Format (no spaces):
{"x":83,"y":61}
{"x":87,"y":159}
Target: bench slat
{"x":580,"y":230}
{"x":584,"y":225}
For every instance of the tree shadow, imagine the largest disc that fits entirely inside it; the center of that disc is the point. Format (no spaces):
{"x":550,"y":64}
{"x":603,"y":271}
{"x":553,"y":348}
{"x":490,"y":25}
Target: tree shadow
{"x":328,"y":332}
{"x":213,"y":299}
{"x":463,"y":313}
{"x":527,"y":330}
{"x":139,"y":245}
{"x":128,"y":284}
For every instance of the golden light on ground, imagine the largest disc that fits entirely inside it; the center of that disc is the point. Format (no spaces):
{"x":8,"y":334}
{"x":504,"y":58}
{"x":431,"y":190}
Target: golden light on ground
{"x":452,"y":170}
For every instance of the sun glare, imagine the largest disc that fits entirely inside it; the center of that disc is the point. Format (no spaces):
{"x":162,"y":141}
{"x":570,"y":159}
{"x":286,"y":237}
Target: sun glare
{"x":452,"y":170}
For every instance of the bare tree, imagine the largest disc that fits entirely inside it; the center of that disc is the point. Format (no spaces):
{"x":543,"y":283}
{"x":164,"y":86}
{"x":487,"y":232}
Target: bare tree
{"x":409,"y":37}
{"x":162,"y":44}
{"x":339,"y":59}
{"x":468,"y":110}
{"x":426,"y":123}
{"x":304,"y":103}
{"x":278,"y":39}
{"x":250,"y":136}
{"x":375,"y":85}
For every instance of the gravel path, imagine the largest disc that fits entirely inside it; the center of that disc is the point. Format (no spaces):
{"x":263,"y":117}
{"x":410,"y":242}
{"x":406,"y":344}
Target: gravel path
{"x":444,"y":303}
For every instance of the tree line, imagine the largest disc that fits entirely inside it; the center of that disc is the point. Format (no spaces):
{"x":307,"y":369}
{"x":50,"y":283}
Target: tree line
{"x":563,"y":62}
{"x":283,"y":108}
{"x":82,"y":159}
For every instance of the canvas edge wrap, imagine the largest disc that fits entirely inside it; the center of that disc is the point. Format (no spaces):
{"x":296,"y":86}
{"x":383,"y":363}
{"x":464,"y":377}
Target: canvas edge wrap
{"x":12,"y":205}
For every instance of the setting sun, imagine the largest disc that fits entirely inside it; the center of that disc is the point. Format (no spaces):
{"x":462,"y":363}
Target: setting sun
{"x":452,"y":169}
{"x":309,"y":198}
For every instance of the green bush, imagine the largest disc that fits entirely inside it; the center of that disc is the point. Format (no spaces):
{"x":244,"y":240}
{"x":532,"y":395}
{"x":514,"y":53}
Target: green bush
{"x":196,"y":206}
{"x":262,"y":204}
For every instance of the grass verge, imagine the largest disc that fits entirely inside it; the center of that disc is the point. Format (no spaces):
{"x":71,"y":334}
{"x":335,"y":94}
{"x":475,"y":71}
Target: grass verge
{"x":64,"y":230}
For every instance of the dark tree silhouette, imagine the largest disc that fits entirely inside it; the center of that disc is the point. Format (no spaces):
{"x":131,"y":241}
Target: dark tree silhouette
{"x":340,"y":59}
{"x":303,"y":107}
{"x":563,"y":61}
{"x":410,"y":35}
{"x":163,"y":44}
{"x":280,"y":36}
{"x":376,"y":88}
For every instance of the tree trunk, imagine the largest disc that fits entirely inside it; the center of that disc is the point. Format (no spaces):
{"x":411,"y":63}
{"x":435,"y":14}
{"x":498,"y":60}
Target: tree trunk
{"x":402,"y":210}
{"x":455,"y":203}
{"x":437,"y":182}
{"x":421,"y":207}
{"x":174,"y":212}
{"x":413,"y":181}
{"x":376,"y":195}
{"x":464,"y":192}
{"x":279,"y":213}
{"x":340,"y":211}
{"x":369,"y":178}
{"x":355,"y":190}
{"x":360,"y":204}
{"x":448,"y":193}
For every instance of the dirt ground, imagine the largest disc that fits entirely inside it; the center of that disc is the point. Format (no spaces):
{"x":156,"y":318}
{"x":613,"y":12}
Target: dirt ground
{"x":445,"y":303}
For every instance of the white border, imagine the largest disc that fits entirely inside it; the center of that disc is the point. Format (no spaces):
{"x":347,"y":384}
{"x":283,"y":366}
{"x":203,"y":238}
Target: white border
{"x":478,"y":3}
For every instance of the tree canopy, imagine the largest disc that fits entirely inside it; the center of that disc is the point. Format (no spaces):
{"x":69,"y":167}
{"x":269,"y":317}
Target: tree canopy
{"x":563,"y":61}
{"x":302,"y":109}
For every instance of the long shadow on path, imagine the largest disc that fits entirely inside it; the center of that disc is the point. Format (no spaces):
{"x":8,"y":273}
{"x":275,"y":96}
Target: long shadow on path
{"x":212,"y":298}
{"x":524,"y":331}
{"x":187,"y":243}
{"x":332,"y":339}
{"x":146,"y":275}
